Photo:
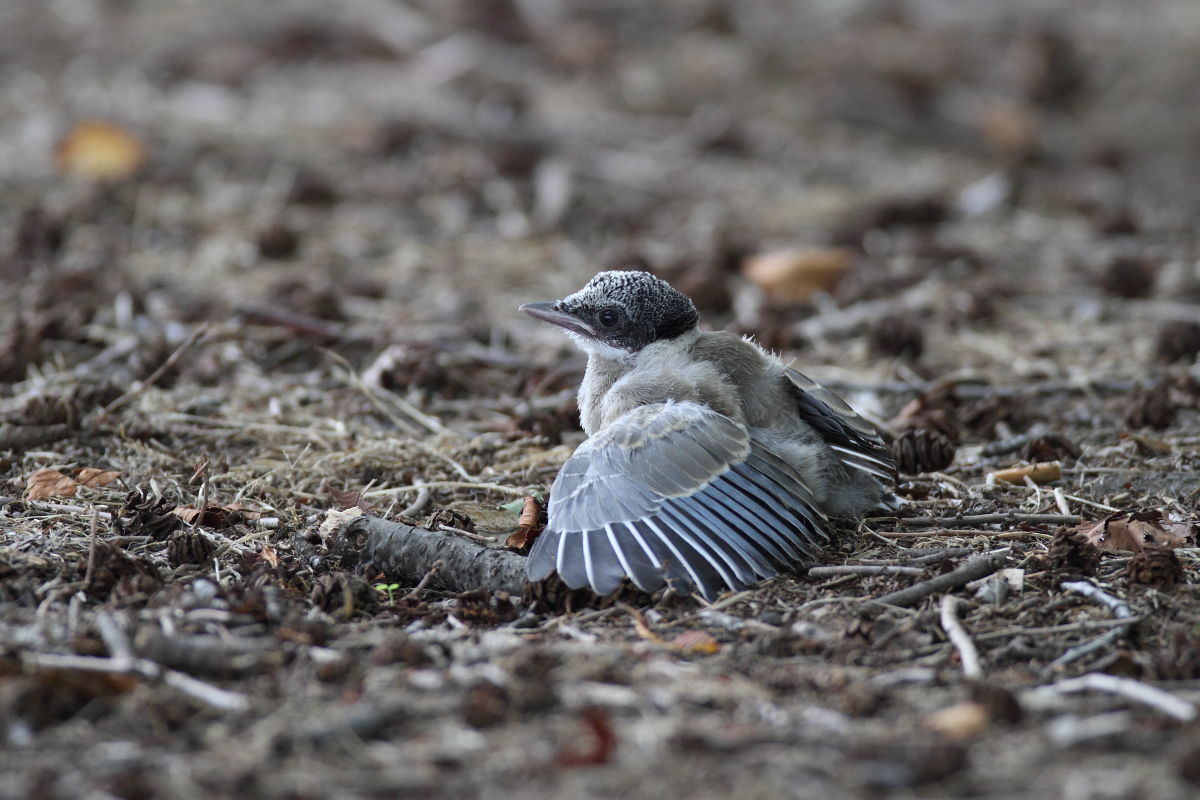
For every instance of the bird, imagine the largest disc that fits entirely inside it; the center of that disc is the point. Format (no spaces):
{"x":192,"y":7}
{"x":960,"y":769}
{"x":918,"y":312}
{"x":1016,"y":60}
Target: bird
{"x":709,"y":464}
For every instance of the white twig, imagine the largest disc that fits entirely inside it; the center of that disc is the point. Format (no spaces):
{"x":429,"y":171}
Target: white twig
{"x":214,"y":696}
{"x":414,"y":508}
{"x":491,"y":487}
{"x":960,"y":638}
{"x":1137,"y":691}
{"x":1124,"y":619}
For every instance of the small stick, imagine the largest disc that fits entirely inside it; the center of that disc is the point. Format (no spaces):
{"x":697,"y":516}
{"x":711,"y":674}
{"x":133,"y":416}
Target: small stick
{"x":863,"y":569}
{"x":978,"y":567}
{"x":959,"y":532}
{"x":91,"y":562}
{"x":150,"y":380}
{"x":960,"y":638}
{"x":490,"y":487}
{"x":422,"y":584}
{"x":1124,"y":619}
{"x":1137,"y":691}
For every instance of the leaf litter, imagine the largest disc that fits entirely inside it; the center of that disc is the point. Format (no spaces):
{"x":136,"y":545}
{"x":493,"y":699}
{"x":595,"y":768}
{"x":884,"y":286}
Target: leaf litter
{"x":324,"y":322}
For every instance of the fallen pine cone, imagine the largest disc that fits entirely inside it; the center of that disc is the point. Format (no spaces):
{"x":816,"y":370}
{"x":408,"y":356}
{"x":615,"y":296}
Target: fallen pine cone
{"x":922,"y":450}
{"x":1150,"y":408}
{"x":188,"y":547}
{"x":1072,"y":554}
{"x":1051,"y":447}
{"x":896,"y":335}
{"x":1155,"y":566}
{"x":1178,"y":341}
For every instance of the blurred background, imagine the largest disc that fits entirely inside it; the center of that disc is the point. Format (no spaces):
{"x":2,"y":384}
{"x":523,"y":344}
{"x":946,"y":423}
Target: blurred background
{"x":946,"y":184}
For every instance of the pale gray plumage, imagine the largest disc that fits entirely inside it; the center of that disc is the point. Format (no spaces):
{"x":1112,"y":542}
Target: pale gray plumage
{"x":709,"y":464}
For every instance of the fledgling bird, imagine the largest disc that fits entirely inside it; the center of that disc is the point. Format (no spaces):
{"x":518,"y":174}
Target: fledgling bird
{"x":709,"y":463}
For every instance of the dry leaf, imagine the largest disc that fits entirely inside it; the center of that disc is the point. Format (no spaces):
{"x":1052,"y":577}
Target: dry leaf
{"x":44,"y":483}
{"x":92,"y":477}
{"x":100,"y":151}
{"x":1131,"y":532}
{"x":211,"y":516}
{"x":347,"y":498}
{"x":269,"y":555}
{"x":961,"y":721}
{"x":603,"y":741}
{"x":695,"y":643}
{"x":793,"y":275}
{"x":527,"y":526}
{"x":1043,"y":472}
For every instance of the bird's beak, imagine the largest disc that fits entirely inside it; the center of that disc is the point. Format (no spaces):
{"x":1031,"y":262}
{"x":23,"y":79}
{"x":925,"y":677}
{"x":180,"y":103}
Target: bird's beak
{"x":548,"y":312}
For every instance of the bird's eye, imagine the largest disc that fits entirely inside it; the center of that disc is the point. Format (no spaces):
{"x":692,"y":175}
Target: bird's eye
{"x":607,"y":317}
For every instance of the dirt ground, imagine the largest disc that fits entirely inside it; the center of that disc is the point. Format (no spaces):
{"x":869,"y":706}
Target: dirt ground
{"x":278,"y":285}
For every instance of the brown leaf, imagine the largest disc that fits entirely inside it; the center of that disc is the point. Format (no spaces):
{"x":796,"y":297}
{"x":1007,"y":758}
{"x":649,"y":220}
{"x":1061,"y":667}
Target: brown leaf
{"x":795,"y":274}
{"x":44,"y":483}
{"x":99,"y":151}
{"x":93,"y":478}
{"x":1131,"y":532}
{"x":527,"y":526}
{"x":347,"y":498}
{"x":269,"y":555}
{"x":210,"y":516}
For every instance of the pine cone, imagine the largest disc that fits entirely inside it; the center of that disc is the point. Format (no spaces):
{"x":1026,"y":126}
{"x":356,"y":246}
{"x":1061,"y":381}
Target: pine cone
{"x":1129,"y":277}
{"x":922,"y":450}
{"x":145,"y":515}
{"x":896,"y":335}
{"x":1072,"y":554}
{"x":188,"y":547}
{"x":1178,"y":341}
{"x":1155,"y":566}
{"x":1150,"y":408}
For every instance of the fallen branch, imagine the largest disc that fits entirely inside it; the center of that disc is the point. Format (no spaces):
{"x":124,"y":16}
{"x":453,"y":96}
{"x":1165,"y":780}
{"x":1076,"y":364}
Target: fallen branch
{"x":976,"y":568}
{"x":153,"y":377}
{"x":959,"y":637}
{"x":406,"y":554}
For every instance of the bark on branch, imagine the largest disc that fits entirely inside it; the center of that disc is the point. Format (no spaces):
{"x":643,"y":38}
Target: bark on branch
{"x":405,"y":554}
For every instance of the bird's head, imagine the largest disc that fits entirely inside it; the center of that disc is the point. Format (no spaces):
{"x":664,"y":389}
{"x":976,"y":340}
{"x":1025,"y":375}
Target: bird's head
{"x":618,"y":313}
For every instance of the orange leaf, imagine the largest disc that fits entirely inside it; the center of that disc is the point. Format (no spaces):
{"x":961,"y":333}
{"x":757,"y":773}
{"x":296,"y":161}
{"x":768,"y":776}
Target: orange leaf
{"x":528,"y":527}
{"x":794,"y":275}
{"x":92,"y":477}
{"x":45,"y":483}
{"x":695,"y":643}
{"x":269,"y":555}
{"x":100,"y":151}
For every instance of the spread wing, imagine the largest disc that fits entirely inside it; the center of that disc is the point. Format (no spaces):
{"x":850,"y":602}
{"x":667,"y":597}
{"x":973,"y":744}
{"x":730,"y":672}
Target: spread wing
{"x":854,"y":439}
{"x":674,"y":491}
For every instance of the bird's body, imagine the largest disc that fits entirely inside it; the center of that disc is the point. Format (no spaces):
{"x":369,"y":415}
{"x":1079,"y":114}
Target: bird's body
{"x":709,"y":462}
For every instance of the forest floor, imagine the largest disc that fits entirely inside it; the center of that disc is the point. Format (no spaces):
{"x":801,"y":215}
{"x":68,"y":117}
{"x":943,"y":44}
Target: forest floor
{"x":293,"y":299}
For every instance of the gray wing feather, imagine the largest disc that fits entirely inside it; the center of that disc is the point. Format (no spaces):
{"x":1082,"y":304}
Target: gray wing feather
{"x":674,"y":491}
{"x":855,"y":440}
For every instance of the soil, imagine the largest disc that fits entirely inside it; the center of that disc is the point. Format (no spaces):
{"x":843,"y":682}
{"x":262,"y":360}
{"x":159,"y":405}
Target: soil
{"x":277,"y":288}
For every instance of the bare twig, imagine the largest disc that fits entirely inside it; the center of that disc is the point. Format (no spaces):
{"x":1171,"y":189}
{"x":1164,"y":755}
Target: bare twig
{"x":489,"y":487}
{"x":978,"y":567}
{"x":1125,"y":618}
{"x":423,"y":494}
{"x":1137,"y":691}
{"x":863,"y":569}
{"x":960,"y":638}
{"x":981,"y":519}
{"x":153,"y":377}
{"x":423,"y":584}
